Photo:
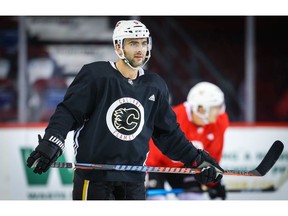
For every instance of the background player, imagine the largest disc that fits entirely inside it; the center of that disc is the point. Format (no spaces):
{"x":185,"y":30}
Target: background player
{"x":204,"y":121}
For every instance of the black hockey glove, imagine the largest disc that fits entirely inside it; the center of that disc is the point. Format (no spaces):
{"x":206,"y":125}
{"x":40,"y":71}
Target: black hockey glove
{"x":217,"y":191}
{"x":47,"y":152}
{"x":211,"y":171}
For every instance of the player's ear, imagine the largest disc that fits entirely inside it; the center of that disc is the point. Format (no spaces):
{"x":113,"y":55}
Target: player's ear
{"x":118,"y":50}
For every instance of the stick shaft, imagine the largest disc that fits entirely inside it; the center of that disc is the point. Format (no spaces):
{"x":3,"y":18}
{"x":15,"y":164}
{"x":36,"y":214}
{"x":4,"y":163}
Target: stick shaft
{"x":126,"y":168}
{"x":265,"y":165}
{"x":171,"y":170}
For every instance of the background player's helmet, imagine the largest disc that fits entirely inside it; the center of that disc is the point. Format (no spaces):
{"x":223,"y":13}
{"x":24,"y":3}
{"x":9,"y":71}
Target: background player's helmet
{"x":206,"y":95}
{"x":131,"y":29}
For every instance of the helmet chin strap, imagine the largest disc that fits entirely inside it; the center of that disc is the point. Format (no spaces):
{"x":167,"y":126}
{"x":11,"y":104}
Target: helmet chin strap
{"x":128,"y":63}
{"x":123,"y":57}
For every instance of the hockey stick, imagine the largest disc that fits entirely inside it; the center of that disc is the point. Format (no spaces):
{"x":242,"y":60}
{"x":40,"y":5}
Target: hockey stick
{"x":266,"y":164}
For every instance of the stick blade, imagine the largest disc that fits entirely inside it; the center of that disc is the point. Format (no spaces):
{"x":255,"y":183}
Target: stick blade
{"x":270,"y":158}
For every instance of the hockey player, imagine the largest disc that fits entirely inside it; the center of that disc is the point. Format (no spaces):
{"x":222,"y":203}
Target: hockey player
{"x":204,"y":121}
{"x":114,"y":108}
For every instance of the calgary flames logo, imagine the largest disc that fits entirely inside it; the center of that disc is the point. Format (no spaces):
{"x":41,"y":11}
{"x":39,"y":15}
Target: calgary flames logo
{"x":125,"y":118}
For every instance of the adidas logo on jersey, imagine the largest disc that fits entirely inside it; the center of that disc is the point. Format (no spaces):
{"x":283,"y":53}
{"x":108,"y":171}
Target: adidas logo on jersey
{"x":152,"y":97}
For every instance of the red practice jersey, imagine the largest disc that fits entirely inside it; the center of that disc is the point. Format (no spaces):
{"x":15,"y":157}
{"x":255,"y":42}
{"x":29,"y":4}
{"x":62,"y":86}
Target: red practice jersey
{"x":209,"y":137}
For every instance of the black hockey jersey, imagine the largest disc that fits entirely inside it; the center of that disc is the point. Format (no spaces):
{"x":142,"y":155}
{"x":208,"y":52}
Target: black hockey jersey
{"x":113,"y":119}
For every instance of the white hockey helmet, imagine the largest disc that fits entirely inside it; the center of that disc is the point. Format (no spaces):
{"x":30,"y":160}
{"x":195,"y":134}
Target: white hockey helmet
{"x":205,"y":95}
{"x":131,"y":29}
